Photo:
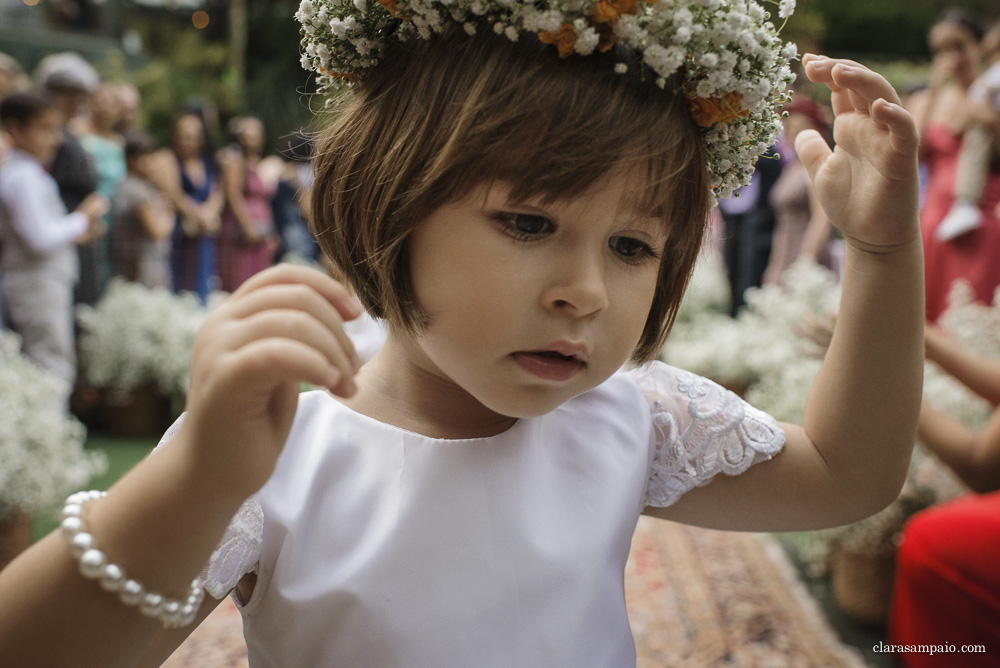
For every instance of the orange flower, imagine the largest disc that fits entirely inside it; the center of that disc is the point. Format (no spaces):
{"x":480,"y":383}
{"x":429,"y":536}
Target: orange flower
{"x":607,"y":11}
{"x":707,"y":111}
{"x":606,"y":37}
{"x":564,"y":39}
{"x":389,"y":5}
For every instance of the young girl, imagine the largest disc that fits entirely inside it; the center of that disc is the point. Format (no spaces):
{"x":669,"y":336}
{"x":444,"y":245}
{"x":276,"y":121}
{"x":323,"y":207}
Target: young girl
{"x":525,"y":223}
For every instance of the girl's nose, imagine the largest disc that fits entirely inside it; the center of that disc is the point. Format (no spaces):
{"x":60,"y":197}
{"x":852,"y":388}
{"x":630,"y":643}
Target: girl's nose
{"x":577,"y":287}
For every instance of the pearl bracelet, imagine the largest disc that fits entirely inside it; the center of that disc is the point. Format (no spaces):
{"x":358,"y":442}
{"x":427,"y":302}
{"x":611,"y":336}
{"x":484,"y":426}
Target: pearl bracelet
{"x":94,"y":565}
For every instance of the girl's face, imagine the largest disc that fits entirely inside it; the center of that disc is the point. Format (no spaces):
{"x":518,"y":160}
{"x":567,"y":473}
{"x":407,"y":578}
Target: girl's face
{"x":531,"y":303}
{"x":955,"y":50}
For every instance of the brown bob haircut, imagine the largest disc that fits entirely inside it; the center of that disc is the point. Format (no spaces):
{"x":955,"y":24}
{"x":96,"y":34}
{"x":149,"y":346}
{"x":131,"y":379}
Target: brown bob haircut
{"x":439,"y":117}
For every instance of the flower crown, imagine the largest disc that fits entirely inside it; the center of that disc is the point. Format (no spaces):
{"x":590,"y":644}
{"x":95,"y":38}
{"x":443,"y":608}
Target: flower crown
{"x":727,"y":57}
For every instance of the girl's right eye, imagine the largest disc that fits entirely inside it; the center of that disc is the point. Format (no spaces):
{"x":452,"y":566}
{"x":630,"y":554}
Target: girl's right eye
{"x":524,"y":226}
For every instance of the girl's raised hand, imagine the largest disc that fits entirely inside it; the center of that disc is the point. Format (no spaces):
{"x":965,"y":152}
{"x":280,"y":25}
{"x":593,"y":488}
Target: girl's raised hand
{"x":283,"y":326}
{"x":867,"y":184}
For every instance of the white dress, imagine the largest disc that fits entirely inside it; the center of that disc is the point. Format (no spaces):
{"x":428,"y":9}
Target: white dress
{"x":375,"y":546}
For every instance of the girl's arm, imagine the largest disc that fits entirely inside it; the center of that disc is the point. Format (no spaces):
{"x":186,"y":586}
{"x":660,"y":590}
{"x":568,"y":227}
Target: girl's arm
{"x":163,"y":519}
{"x":851,"y":456}
{"x":975,"y":458}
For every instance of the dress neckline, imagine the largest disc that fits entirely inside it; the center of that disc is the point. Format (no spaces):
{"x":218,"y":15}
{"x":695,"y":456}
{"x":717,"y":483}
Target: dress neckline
{"x":388,"y":426}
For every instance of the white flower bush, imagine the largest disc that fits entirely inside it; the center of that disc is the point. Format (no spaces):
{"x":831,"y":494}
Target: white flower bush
{"x":41,"y":447}
{"x":135,"y":336}
{"x":763,"y":350}
{"x":761,"y":345}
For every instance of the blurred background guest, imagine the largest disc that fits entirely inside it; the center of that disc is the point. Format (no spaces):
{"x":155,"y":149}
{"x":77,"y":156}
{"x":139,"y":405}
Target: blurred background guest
{"x":187,"y":176}
{"x":291,"y":198}
{"x":943,"y":112}
{"x":748,"y":229}
{"x":143,"y":221}
{"x":99,"y":137}
{"x":70,"y":80}
{"x":38,"y":234}
{"x":248,"y":240}
{"x":801,"y":226}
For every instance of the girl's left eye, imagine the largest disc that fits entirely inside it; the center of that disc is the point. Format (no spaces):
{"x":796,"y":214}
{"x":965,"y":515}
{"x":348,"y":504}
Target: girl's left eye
{"x":525,"y":226}
{"x":632,"y":250}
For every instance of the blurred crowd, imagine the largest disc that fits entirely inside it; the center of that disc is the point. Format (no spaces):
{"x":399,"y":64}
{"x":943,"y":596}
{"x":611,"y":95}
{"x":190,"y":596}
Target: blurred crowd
{"x":86,"y":194}
{"x":774,"y":221}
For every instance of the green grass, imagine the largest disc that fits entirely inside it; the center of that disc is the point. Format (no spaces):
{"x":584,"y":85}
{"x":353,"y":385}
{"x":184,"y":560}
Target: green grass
{"x":123,"y":454}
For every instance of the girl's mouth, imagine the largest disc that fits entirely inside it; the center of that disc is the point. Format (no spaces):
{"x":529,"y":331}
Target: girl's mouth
{"x":549,"y":364}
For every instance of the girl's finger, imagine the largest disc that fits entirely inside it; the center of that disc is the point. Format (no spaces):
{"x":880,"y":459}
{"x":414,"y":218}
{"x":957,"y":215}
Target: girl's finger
{"x":283,"y":274}
{"x":282,"y":360}
{"x":812,"y":150}
{"x":903,"y":136}
{"x":293,"y":296}
{"x":297,"y":326}
{"x":819,"y":69}
{"x":866,"y":86}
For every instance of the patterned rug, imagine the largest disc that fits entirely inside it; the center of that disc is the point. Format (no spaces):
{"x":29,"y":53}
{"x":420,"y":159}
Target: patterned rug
{"x":695,"y":598}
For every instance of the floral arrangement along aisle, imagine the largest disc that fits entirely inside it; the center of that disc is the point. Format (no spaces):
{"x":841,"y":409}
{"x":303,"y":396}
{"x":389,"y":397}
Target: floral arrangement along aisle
{"x":136,"y":342}
{"x":771,"y":352}
{"x":41,"y":447}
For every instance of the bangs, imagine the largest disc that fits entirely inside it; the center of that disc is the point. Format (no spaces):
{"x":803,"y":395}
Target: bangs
{"x":438,"y":118}
{"x":553,"y":127}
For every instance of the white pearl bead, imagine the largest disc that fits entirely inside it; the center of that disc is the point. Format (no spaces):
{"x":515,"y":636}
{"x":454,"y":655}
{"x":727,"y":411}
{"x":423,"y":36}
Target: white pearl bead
{"x":171,"y":613}
{"x":151,"y":604}
{"x":188,"y":611}
{"x":72,"y":510}
{"x":70,"y":527}
{"x":131,"y":593}
{"x":81,"y":543}
{"x":112,"y":577}
{"x":91,"y":563}
{"x":77,"y":499}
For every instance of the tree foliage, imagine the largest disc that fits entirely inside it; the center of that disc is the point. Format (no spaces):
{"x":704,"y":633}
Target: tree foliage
{"x":886,"y":28}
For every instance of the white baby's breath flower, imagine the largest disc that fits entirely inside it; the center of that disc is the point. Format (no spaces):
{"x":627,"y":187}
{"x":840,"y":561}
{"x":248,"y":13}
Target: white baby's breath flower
{"x":41,"y":446}
{"x":586,"y":42}
{"x":726,"y":49}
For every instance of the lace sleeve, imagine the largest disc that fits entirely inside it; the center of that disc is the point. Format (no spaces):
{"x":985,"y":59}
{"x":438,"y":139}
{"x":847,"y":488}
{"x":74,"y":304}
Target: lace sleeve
{"x":239,"y":550}
{"x":700,"y":429}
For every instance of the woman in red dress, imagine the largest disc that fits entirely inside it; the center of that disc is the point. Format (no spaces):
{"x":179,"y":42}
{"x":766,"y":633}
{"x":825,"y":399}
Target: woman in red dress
{"x":943,"y":111}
